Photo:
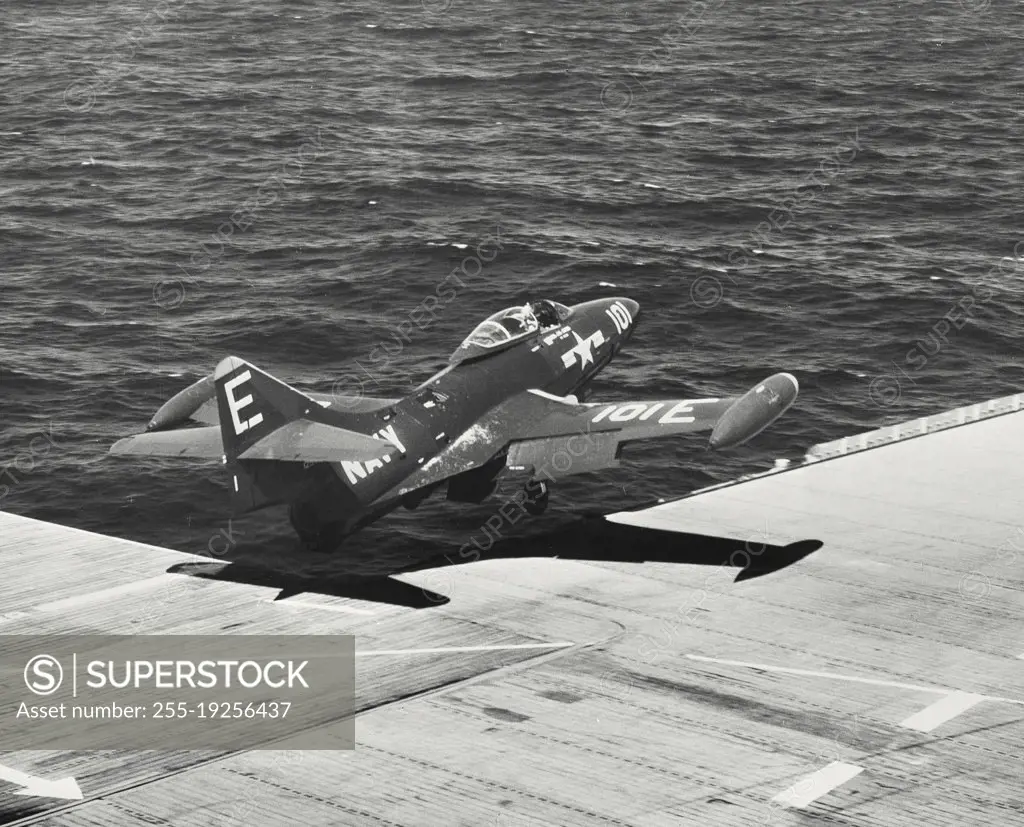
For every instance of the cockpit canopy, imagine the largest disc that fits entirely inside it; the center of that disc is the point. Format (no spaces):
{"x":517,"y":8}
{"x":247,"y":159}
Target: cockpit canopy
{"x":510,"y":325}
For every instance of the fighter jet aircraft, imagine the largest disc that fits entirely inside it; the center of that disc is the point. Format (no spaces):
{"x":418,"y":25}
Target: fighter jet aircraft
{"x":506,"y":407}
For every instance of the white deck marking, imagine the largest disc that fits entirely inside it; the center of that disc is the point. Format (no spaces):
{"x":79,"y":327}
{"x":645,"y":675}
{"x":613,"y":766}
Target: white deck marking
{"x":942,"y":710}
{"x":810,"y":673}
{"x":447,"y":649}
{"x":33,"y":785}
{"x":108,"y":594}
{"x":817,"y":784}
{"x":8,"y":617}
{"x":340,"y":608}
{"x":765,"y":667}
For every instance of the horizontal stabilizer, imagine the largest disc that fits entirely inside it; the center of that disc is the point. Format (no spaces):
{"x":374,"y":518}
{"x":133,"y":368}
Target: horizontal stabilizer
{"x":207,"y":412}
{"x":305,"y":441}
{"x":191,"y":443}
{"x":298,"y":441}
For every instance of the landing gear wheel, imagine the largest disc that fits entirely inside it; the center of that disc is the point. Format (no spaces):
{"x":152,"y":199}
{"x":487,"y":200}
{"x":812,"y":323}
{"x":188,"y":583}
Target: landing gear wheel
{"x":315,"y":536}
{"x":536,"y":497}
{"x":330,"y":537}
{"x":303,"y":521}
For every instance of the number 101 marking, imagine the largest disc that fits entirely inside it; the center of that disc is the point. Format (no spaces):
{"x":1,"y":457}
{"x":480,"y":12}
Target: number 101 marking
{"x":620,"y":316}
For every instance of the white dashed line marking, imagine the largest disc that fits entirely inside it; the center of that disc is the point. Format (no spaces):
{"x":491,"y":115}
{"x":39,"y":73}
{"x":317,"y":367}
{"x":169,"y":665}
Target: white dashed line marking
{"x":817,"y":784}
{"x":810,"y":673}
{"x":944,"y":709}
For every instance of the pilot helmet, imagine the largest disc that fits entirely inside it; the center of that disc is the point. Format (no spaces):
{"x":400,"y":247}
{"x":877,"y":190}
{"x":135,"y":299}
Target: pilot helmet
{"x":545,"y":312}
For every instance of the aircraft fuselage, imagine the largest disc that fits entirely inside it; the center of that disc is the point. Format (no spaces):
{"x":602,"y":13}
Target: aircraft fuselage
{"x":559,"y":360}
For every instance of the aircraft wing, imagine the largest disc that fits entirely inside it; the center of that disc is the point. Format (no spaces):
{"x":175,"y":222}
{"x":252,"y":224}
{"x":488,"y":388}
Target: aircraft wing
{"x":553,"y":439}
{"x":296,"y":441}
{"x":554,"y":436}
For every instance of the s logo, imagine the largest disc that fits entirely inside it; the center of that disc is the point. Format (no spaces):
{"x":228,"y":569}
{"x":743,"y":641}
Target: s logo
{"x":43,"y":675}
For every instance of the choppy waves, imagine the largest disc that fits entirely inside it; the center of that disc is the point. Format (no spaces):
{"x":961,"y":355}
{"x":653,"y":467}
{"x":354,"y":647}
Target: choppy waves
{"x":802,"y":186}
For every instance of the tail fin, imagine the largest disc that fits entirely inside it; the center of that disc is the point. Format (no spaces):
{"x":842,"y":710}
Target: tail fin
{"x":253,"y":404}
{"x":275,"y":438}
{"x":263,"y":418}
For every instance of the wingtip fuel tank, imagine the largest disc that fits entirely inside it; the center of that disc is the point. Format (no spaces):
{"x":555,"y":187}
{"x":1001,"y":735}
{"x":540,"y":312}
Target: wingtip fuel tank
{"x":176,"y":410}
{"x":755,"y":410}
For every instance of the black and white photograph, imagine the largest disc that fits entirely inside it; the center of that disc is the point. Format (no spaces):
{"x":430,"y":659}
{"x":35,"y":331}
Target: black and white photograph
{"x":511,"y":413}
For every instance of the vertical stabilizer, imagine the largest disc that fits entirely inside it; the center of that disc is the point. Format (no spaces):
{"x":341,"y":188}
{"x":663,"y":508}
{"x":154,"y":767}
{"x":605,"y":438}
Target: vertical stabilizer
{"x":253,"y":404}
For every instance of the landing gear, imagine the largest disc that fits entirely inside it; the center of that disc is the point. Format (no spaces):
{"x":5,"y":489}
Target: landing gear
{"x":413,"y":499}
{"x":329,"y":538}
{"x":536,"y":497}
{"x":303,"y":520}
{"x":322,"y":538}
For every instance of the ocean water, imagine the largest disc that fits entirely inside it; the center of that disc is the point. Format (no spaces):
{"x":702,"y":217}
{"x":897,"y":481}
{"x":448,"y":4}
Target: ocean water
{"x":828,"y":188}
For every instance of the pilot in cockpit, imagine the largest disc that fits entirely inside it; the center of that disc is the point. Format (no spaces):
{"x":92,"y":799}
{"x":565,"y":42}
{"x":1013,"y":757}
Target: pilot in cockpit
{"x":545,"y":313}
{"x":531,"y":316}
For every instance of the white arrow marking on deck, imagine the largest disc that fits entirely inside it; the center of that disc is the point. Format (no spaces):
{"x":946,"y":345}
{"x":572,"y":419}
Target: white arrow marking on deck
{"x":815,"y":785}
{"x":34,"y":785}
{"x":446,"y":649}
{"x":944,"y":709}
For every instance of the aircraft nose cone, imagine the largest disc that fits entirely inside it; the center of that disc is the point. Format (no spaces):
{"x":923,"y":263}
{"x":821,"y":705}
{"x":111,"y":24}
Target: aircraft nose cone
{"x":633,"y":308}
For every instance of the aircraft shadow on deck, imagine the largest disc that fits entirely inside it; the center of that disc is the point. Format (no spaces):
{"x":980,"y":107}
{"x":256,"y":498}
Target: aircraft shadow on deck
{"x":376,"y":588}
{"x":355,"y":574}
{"x":597,"y":539}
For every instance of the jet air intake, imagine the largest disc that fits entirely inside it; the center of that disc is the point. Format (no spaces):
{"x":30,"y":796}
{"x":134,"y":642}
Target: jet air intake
{"x":755,"y":410}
